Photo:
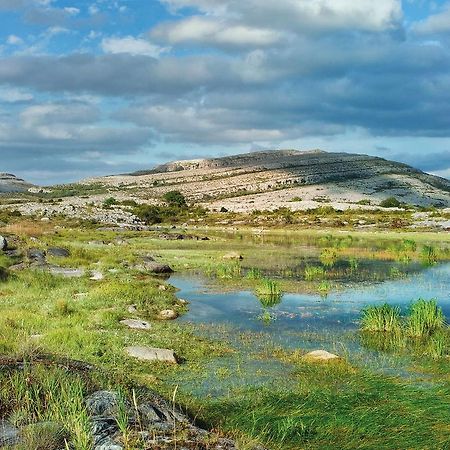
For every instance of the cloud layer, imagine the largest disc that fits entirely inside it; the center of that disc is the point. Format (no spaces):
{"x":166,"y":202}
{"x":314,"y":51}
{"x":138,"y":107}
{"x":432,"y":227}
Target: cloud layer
{"x":108,"y":86}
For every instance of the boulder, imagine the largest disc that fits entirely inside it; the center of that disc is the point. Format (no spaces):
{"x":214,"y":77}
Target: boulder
{"x":9,"y":435}
{"x":3,"y":243}
{"x":58,"y":252}
{"x":136,"y":324}
{"x":233,"y":255}
{"x":320,"y":355}
{"x":96,"y":275}
{"x":155,"y":267}
{"x":167,"y":314}
{"x":102,"y":403}
{"x":36,"y":255}
{"x":152,"y":354}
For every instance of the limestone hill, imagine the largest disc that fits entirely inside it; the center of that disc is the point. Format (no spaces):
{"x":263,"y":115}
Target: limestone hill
{"x":10,"y":183}
{"x":297,"y":179}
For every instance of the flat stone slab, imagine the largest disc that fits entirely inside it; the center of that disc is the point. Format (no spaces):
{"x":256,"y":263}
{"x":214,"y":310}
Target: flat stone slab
{"x":136,"y":324}
{"x":320,"y":355}
{"x":152,"y":354}
{"x":67,"y":272}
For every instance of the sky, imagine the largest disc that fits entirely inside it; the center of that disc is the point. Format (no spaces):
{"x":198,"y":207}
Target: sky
{"x":93,"y":87}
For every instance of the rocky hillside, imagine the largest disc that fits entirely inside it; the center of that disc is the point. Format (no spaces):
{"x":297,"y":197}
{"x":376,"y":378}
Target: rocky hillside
{"x":10,"y":183}
{"x":296,"y":179}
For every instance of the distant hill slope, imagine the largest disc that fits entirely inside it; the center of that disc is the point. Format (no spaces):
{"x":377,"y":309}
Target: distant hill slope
{"x":10,"y":183}
{"x":298,"y":179}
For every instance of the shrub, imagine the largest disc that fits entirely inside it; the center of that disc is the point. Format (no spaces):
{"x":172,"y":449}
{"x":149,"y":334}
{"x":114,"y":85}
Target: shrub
{"x":390,"y":202}
{"x":175,"y":198}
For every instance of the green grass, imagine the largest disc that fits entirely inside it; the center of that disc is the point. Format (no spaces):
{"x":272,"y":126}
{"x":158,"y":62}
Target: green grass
{"x":48,"y":396}
{"x":268,"y":292}
{"x":425,"y":318}
{"x":384,"y":318}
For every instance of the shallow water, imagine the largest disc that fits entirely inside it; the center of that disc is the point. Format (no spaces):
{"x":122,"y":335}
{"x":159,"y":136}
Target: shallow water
{"x":300,"y":321}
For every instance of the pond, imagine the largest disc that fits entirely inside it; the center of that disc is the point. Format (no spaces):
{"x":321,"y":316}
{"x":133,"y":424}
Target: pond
{"x":299,"y":321}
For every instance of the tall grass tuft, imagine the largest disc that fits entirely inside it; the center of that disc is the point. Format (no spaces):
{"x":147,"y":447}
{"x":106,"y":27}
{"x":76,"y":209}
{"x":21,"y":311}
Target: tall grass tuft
{"x":384,"y":318}
{"x":425,"y":317}
{"x":268,"y":292}
{"x":314,"y":273}
{"x":429,"y":255}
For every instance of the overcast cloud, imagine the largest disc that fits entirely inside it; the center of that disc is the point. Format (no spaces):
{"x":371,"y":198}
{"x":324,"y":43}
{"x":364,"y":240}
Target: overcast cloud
{"x":102,"y":87}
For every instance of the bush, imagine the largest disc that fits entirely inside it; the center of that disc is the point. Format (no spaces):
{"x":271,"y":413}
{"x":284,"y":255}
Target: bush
{"x":175,"y":198}
{"x":390,"y":202}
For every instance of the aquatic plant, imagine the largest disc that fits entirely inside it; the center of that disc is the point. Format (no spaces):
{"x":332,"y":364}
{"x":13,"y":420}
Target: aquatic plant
{"x":314,"y":273}
{"x":253,"y":274}
{"x":268,"y":292}
{"x":353,"y":264}
{"x":383,"y":318}
{"x":425,"y":317}
{"x":429,"y":255}
{"x":229,"y":270}
{"x":328,"y":257}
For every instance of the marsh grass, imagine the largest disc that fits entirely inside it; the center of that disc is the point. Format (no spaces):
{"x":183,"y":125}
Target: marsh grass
{"x":39,"y":395}
{"x":225,"y":270}
{"x":269,"y":292}
{"x":384,"y":318}
{"x":425,"y":318}
{"x":314,"y":273}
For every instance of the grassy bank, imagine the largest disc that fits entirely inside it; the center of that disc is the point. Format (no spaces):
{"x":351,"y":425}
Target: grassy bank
{"x":336,"y":405}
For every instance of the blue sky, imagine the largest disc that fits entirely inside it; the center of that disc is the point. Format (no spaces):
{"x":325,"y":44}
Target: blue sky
{"x":108,"y":86}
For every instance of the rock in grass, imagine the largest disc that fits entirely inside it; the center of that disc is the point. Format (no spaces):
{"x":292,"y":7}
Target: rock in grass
{"x":152,"y":354}
{"x":96,"y":275}
{"x":167,"y":314}
{"x":155,"y":267}
{"x":320,"y":355}
{"x":9,"y":435}
{"x":136,"y":324}
{"x":3,"y":243}
{"x":58,"y":252}
{"x":102,"y":403}
{"x":233,"y":255}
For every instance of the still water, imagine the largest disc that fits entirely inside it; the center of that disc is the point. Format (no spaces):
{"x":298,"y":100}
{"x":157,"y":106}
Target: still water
{"x":300,"y":321}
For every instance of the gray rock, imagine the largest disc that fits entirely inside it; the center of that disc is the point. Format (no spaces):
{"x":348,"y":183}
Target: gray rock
{"x":233,"y":255}
{"x":155,"y":267}
{"x":67,"y":272}
{"x":96,"y":275}
{"x":167,"y":314}
{"x":152,"y":354}
{"x":58,"y":252}
{"x":136,"y":324}
{"x":9,"y":435}
{"x":102,"y":403}
{"x":320,"y":355}
{"x":3,"y":243}
{"x":36,"y":255}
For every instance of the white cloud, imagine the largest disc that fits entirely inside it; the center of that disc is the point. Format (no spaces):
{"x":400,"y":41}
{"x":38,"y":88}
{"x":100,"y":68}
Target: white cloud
{"x":436,"y":23}
{"x":205,"y":30}
{"x":14,"y":40}
{"x":72,"y":11}
{"x":303,"y":15}
{"x":93,"y":9}
{"x":131,"y":45}
{"x":13,"y":95}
